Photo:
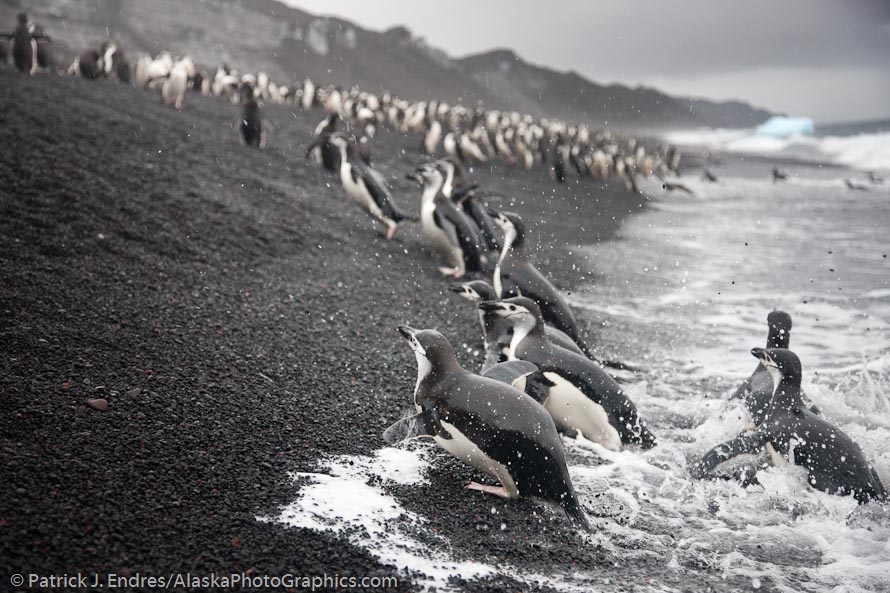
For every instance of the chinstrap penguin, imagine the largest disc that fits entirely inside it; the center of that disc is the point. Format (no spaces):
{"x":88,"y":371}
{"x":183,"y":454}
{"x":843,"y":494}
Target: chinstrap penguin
{"x":487,"y":424}
{"x":578,"y":393}
{"x":792,"y":434}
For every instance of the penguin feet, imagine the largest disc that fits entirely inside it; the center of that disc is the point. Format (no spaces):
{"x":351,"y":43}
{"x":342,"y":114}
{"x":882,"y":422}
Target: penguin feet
{"x":390,"y":232}
{"x":496,"y":490}
{"x":453,"y":272}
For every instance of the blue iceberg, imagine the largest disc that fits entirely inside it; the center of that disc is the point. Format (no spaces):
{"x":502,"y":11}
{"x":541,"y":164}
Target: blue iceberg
{"x":784,"y":127}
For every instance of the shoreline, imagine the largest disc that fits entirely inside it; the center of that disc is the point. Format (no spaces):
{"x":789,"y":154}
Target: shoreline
{"x":238,"y":316}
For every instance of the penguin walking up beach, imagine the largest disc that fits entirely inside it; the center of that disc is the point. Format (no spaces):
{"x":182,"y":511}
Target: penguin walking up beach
{"x":448,"y":229}
{"x":463,"y":194}
{"x":576,"y":391}
{"x":487,"y":424}
{"x":367,"y":188}
{"x":251,"y":124}
{"x":513,"y":265}
{"x":431,"y":137}
{"x":792,"y":434}
{"x":24,"y":46}
{"x":176,"y":84}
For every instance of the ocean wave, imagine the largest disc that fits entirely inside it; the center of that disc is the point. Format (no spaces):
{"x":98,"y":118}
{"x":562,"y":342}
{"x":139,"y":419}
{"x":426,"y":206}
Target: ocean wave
{"x":866,"y":151}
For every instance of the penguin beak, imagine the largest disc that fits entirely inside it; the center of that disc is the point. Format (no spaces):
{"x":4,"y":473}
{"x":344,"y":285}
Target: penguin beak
{"x":490,"y":306}
{"x":456,"y":287}
{"x":762,"y":355}
{"x":407,"y":331}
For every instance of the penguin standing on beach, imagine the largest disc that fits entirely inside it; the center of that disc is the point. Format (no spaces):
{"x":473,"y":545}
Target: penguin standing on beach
{"x":576,"y":391}
{"x":176,"y":84}
{"x":24,"y":47}
{"x":251,"y":119}
{"x":367,"y":188}
{"x":558,"y":167}
{"x":792,"y":434}
{"x":431,"y":137}
{"x":487,"y":424}
{"x":308,"y":99}
{"x":447,"y":228}
{"x":463,"y":194}
{"x":44,"y":56}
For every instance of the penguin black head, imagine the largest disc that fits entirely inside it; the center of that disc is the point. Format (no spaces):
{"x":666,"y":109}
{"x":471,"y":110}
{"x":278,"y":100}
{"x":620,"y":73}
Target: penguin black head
{"x":779,"y":329}
{"x":246,"y":91}
{"x":782,"y":364}
{"x":522,"y":312}
{"x":426,"y":175}
{"x":477,"y":290}
{"x":346,"y":144}
{"x":511,"y":225}
{"x":23,"y":18}
{"x":506,"y":220}
{"x":432,"y":350}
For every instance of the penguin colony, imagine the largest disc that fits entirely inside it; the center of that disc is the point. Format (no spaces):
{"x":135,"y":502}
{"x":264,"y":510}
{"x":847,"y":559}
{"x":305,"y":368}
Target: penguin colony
{"x":539,"y":378}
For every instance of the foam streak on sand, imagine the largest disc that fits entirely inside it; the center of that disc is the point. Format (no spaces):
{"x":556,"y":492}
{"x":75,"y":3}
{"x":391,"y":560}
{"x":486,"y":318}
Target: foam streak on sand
{"x":342,"y":500}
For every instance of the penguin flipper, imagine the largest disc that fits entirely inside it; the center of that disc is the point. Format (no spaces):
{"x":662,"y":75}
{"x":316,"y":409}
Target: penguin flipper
{"x":465,"y":233}
{"x":746,"y":443}
{"x":379,"y":190}
{"x":447,"y":227}
{"x":507,"y":372}
{"x":424,"y":424}
{"x":537,"y":386}
{"x":492,"y":358}
{"x":313,"y":146}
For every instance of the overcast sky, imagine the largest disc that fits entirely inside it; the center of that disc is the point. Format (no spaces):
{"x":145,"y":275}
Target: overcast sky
{"x":827,"y":59}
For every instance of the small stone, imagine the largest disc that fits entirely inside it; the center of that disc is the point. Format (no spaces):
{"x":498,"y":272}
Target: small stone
{"x":133,"y":392}
{"x":100,"y":404}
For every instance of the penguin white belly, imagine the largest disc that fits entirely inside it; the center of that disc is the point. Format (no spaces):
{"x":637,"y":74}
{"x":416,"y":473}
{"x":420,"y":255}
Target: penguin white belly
{"x":574,"y":411}
{"x":450,"y":145}
{"x":439,"y":239}
{"x":467,"y":451}
{"x":431,"y":141}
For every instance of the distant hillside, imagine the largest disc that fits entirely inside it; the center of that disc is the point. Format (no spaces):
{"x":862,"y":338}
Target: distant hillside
{"x":727,"y":114}
{"x":290,"y":44}
{"x":568,"y":95}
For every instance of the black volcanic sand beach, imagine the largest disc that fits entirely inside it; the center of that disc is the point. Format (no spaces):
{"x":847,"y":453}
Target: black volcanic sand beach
{"x":239,"y":317}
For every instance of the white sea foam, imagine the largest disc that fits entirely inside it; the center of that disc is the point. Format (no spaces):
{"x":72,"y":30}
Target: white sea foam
{"x":861,"y":151}
{"x":687,"y":292}
{"x":340,"y":498}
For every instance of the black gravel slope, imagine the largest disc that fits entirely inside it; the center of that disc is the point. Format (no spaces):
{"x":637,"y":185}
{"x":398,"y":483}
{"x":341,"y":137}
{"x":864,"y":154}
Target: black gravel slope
{"x":238,"y":316}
